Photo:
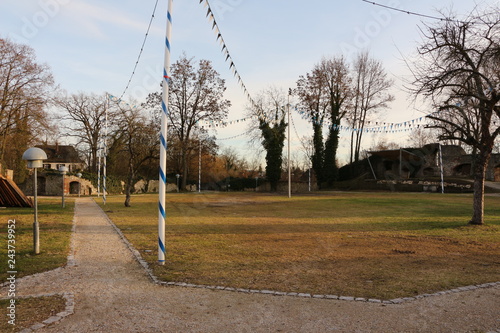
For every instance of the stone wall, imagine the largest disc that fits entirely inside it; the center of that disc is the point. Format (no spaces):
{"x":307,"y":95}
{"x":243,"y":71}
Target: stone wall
{"x":51,"y":185}
{"x":152,"y":186}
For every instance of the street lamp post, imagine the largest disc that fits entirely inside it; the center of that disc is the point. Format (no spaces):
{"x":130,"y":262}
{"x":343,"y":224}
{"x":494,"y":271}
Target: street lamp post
{"x":63,"y":169}
{"x":35,"y":157}
{"x":177,"y":176}
{"x":79,"y":175}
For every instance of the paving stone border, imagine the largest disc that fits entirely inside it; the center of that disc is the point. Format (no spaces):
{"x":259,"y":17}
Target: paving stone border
{"x":69,"y":310}
{"x":155,"y":280}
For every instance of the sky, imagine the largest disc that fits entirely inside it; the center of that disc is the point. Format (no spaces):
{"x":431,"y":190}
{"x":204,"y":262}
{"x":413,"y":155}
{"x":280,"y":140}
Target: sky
{"x":92,"y":46}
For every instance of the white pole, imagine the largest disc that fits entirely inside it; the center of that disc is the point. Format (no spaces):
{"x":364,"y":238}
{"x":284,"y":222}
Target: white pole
{"x":163,"y":141}
{"x":289,"y":166}
{"x":99,"y":153}
{"x":199,"y":169}
{"x":105,"y":152}
{"x":442,"y":171}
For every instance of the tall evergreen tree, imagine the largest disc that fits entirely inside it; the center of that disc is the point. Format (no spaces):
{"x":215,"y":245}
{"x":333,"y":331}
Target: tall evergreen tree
{"x":270,"y":110}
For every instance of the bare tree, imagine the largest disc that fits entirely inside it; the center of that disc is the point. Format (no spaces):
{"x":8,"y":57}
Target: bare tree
{"x":371,"y":87}
{"x":338,"y":95}
{"x":25,"y":87}
{"x":135,"y":141}
{"x":313,"y":107}
{"x":325,"y":95}
{"x":459,"y":72}
{"x":196,"y":95}
{"x":422,"y":136}
{"x":84,"y":116}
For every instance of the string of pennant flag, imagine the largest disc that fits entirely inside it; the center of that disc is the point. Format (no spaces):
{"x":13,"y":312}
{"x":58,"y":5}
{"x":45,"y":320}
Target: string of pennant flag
{"x":222,"y":124}
{"x":386,"y":127}
{"x":235,"y":136}
{"x":372,"y":126}
{"x":380,"y":127}
{"x":229,"y":58}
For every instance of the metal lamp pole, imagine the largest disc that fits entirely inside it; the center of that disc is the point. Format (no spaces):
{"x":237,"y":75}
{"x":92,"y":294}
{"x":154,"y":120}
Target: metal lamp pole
{"x":36,"y":227}
{"x":63,"y":170}
{"x":35,"y":156}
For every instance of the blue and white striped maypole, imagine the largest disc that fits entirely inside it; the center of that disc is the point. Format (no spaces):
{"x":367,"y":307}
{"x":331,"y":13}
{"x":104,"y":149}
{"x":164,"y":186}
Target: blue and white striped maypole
{"x":105,"y":153}
{"x":99,"y":153}
{"x":163,"y":141}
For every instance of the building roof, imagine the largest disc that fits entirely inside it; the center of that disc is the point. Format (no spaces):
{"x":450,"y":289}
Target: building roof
{"x":60,"y":154}
{"x":393,"y":154}
{"x":429,"y":149}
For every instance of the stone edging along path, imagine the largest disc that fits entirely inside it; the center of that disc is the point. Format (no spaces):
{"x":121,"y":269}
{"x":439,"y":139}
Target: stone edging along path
{"x":155,"y":280}
{"x":69,"y":310}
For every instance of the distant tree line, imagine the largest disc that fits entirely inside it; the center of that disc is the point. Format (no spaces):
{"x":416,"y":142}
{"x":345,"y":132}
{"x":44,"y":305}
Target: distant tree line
{"x":456,"y":71}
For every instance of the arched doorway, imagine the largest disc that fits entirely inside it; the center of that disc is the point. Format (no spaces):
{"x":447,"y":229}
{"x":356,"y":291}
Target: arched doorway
{"x":463,"y":170}
{"x":74,"y":187}
{"x":428,"y":172}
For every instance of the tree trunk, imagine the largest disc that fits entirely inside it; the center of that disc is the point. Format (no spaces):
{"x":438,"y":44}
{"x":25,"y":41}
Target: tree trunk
{"x":330,"y":166}
{"x":318,"y":154}
{"x":479,"y":177}
{"x":130,"y":181}
{"x":128,"y":191}
{"x":127,"y":197}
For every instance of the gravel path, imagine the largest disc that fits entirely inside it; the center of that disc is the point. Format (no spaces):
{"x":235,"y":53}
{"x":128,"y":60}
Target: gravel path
{"x":114,"y":294}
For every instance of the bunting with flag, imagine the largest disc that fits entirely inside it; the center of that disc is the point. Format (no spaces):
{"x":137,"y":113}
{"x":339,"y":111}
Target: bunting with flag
{"x":229,"y":59}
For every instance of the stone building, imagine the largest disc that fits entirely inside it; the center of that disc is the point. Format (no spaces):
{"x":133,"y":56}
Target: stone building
{"x":424,"y":162}
{"x":50,"y":179}
{"x":50,"y":183}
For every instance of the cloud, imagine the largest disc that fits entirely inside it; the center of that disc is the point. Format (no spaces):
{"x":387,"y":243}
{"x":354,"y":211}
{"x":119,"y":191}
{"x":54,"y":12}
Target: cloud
{"x":100,"y":21}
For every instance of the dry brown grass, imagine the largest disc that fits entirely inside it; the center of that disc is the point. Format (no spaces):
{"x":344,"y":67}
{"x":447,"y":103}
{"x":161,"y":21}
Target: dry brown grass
{"x":30,"y":311}
{"x":55,"y":231}
{"x":377,"y":245}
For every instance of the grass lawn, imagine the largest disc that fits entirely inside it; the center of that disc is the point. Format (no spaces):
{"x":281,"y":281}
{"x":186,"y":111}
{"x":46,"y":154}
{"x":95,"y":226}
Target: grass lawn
{"x":55,"y":231}
{"x":380,"y":245}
